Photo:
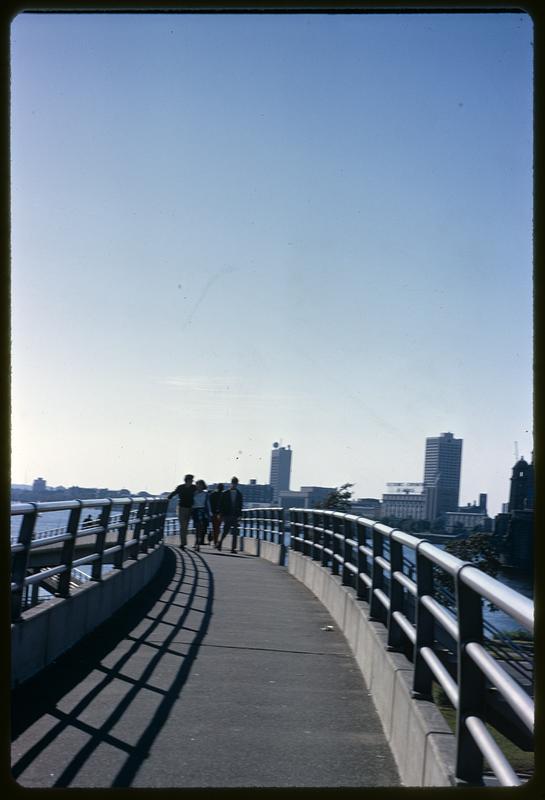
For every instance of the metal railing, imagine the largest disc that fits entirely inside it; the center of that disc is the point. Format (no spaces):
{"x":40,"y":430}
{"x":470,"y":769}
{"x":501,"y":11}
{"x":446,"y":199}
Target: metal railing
{"x":137,"y":528}
{"x":369,"y":557}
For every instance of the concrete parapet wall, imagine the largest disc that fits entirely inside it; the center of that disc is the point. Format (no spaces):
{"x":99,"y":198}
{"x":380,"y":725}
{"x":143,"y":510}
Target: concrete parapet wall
{"x":421,"y":741}
{"x":52,"y":628}
{"x":258,"y":547}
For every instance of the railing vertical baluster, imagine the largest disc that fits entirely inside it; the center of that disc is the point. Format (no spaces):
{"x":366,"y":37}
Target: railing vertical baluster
{"x":119,"y":557}
{"x":345,"y":524}
{"x":282,"y":535}
{"x":376,"y":609}
{"x":335,"y":542}
{"x":471,"y":682}
{"x":138,"y":525}
{"x":324,"y":539}
{"x":20,"y":561}
{"x":361,"y":561}
{"x":68,"y":548}
{"x":423,"y":676}
{"x":100,"y":541}
{"x":395,"y":635}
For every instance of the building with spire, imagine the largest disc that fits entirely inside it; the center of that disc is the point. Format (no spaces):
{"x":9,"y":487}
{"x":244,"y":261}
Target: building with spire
{"x":514,"y":529}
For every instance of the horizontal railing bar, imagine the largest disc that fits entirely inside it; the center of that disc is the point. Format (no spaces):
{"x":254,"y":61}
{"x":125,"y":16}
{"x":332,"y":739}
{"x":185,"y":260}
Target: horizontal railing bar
{"x":351,"y":542}
{"x":367,"y":551}
{"x":85,"y":560}
{"x":492,"y":753}
{"x":338,"y":558}
{"x":383,"y":563}
{"x":517,"y":698}
{"x":405,"y":625}
{"x":516,"y":605}
{"x":449,"y":563}
{"x":442,"y":674}
{"x":406,"y":582}
{"x":366,"y":579}
{"x":115,"y":549}
{"x":36,"y":544}
{"x":443,"y":616}
{"x":47,"y":573}
{"x":384,"y":599}
{"x":351,"y":568}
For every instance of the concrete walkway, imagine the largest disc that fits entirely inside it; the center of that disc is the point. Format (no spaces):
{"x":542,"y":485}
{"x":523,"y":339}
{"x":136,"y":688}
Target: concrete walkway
{"x":218,"y":675}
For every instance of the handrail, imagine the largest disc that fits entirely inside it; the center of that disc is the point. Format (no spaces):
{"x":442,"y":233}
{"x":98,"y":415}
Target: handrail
{"x":368,"y":556}
{"x":138,"y":528}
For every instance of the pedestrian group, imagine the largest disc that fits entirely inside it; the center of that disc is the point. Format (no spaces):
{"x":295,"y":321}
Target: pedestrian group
{"x":222,"y":507}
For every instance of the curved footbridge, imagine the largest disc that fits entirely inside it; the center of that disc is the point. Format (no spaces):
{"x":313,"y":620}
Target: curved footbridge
{"x":309,"y":658}
{"x":225,"y":671}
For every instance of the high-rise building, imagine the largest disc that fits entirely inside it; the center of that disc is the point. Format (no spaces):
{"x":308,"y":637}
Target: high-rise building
{"x":280,"y":469}
{"x":442,"y":468}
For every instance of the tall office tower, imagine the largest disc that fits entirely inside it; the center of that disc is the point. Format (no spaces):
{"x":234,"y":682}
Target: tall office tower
{"x":442,"y":469}
{"x":280,"y":469}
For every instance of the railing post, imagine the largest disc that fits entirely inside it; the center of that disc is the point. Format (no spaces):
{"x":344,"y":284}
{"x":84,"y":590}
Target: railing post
{"x":138,"y":525}
{"x":20,"y":561}
{"x":395,"y":634}
{"x":471,"y":681}
{"x":323,"y":538}
{"x":346,"y":551}
{"x":361,"y":586}
{"x":336,"y":547}
{"x":119,"y":557}
{"x":423,"y":676}
{"x":68,"y":548}
{"x":100,"y":541}
{"x":282,"y":535}
{"x":315,"y":536}
{"x":376,"y":609}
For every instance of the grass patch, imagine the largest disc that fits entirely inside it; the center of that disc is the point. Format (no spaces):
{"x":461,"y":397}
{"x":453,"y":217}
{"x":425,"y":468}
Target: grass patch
{"x":521,"y":761}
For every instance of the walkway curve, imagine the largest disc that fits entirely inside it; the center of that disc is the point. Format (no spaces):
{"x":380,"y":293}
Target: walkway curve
{"x":218,"y":674}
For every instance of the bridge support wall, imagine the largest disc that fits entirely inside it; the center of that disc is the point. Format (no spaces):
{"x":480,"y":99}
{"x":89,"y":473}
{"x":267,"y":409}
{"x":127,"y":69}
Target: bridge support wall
{"x":52,"y":628}
{"x":259,"y":547}
{"x":421,"y":741}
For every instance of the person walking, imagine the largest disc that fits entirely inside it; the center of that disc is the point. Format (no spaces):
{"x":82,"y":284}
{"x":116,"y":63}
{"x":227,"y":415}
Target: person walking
{"x":185,"y":492}
{"x":201,"y":512}
{"x":215,"y":506}
{"x":231,"y":509}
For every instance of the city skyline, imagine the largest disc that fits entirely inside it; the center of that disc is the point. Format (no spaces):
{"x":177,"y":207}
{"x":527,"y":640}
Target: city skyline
{"x":247,"y":227}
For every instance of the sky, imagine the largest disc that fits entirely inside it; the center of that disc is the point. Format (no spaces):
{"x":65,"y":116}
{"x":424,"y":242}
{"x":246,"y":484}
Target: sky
{"x":234,"y":229}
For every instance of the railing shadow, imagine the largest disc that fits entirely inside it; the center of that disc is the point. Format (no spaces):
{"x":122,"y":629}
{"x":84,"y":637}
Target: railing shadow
{"x":147,"y":627}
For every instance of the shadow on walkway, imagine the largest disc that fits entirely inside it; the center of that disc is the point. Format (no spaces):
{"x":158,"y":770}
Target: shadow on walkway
{"x":151,"y":631}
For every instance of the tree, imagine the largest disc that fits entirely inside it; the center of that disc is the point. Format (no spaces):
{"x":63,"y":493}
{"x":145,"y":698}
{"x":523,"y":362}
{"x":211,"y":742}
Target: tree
{"x":338,"y":499}
{"x":480,"y":550}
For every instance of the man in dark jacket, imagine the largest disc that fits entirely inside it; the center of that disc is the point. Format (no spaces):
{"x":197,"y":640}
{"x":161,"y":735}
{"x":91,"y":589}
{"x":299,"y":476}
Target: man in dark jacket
{"x":231,"y":509}
{"x":185,"y":492}
{"x":215,"y":505}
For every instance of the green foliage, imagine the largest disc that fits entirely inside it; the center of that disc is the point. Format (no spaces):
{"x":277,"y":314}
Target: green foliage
{"x":480,"y":549}
{"x":338,"y":499}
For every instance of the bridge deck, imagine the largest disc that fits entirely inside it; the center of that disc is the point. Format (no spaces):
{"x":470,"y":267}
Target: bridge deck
{"x":218,"y":675}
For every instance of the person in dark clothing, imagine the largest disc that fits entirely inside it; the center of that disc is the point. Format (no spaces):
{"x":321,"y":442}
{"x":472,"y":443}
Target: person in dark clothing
{"x":185,"y":492}
{"x":201,"y":512}
{"x":215,"y":505}
{"x":231,"y":509}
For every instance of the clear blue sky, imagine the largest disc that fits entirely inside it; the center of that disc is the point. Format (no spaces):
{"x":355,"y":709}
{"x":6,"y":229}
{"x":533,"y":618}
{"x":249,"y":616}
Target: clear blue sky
{"x":234,"y":229}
